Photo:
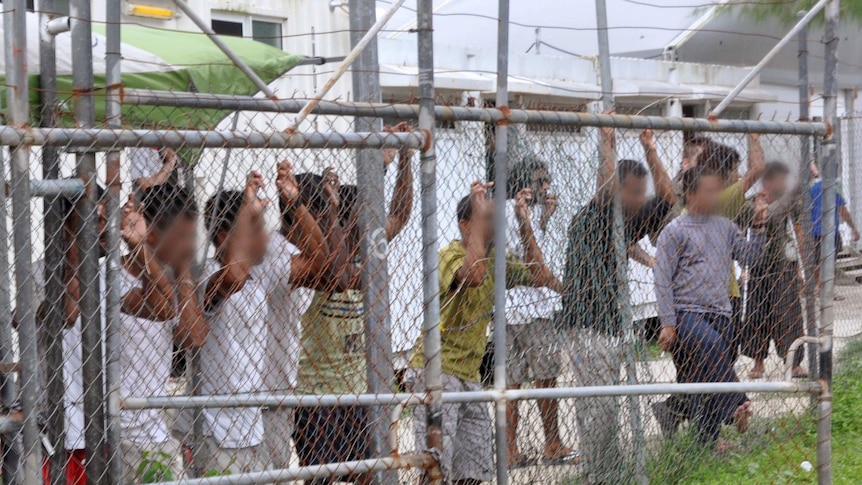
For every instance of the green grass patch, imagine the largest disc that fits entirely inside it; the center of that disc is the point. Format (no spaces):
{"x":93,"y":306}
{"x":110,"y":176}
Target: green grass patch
{"x":772,"y":452}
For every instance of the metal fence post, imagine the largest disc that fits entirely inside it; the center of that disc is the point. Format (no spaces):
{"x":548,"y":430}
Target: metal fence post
{"x":372,"y":223}
{"x":113,"y":111}
{"x":430,"y":263}
{"x":88,"y":242}
{"x":8,"y":391}
{"x":52,"y":325}
{"x":18,"y":114}
{"x":849,"y":147}
{"x":501,"y":162}
{"x":827,"y":256}
{"x":622,"y":260}
{"x":808,"y":257}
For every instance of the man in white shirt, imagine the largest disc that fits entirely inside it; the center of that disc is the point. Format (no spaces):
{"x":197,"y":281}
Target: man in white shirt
{"x":156,"y":311}
{"x":533,"y":337}
{"x":72,"y":370}
{"x":248,"y":280}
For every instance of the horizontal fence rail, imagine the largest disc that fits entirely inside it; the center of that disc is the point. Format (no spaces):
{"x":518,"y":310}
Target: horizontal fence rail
{"x":291,"y":401}
{"x":96,"y":138}
{"x":459,"y":113}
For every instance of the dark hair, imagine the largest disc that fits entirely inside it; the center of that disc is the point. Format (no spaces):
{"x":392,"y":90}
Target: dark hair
{"x":162,"y":204}
{"x":348,"y":195}
{"x":311,"y":195}
{"x":464,"y":209}
{"x":634,"y":168}
{"x":720,"y":158}
{"x":699,"y":141}
{"x":692,"y":177}
{"x":221,"y":212}
{"x":67,"y":204}
{"x":522,"y":173}
{"x":775,"y":169}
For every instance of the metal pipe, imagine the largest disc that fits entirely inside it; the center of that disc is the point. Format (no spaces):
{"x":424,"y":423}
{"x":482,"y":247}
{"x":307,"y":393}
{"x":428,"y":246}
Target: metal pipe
{"x":621,"y":253}
{"x":755,"y":71}
{"x":314,"y":471}
{"x":8,"y":389}
{"x":239,"y":63}
{"x":374,"y":245}
{"x":52,"y":189}
{"x":113,"y":342}
{"x":501,"y":165}
{"x":828,"y":232}
{"x":55,"y":26}
{"x":395,"y":417}
{"x":808,"y":256}
{"x":89,"y":247}
{"x":139,"y":97}
{"x":604,"y":56}
{"x":359,"y":46}
{"x":18,"y":114}
{"x":430,"y":264}
{"x":329,"y":400}
{"x":791,"y":354}
{"x":95,"y":138}
{"x":56,"y":188}
{"x":850,"y":144}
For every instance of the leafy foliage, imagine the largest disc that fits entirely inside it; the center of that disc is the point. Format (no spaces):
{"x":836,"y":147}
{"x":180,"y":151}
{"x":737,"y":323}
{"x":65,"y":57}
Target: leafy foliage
{"x":786,"y":10}
{"x":154,"y":468}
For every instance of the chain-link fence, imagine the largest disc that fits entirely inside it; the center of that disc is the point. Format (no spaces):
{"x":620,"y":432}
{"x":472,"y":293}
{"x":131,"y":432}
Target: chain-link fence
{"x":206,"y":292}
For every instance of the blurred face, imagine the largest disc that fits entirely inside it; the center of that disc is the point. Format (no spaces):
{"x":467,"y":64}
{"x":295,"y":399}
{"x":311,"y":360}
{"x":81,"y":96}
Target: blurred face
{"x":775,"y":186}
{"x":704,"y":199}
{"x":482,"y":225}
{"x":541,"y":186}
{"x":633,"y":193}
{"x":175,"y":244}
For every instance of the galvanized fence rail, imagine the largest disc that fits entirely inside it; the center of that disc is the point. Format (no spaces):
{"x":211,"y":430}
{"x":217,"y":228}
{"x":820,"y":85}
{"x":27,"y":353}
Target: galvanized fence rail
{"x":118,"y":331}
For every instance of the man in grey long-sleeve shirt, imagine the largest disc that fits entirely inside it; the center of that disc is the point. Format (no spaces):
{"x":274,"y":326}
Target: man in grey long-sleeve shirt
{"x":694,"y":252}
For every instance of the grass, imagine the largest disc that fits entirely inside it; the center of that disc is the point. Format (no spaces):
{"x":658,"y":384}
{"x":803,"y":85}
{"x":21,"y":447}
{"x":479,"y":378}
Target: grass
{"x":773,"y":451}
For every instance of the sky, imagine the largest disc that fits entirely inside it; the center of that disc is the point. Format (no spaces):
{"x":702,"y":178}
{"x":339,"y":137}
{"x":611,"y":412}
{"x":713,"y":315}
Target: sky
{"x":567,"y":26}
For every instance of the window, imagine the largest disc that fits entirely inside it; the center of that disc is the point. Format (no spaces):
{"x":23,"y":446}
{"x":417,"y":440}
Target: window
{"x":266,"y":31}
{"x":228,"y":28}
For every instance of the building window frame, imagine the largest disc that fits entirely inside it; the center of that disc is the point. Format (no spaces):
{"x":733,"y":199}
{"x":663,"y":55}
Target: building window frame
{"x":247,"y":22}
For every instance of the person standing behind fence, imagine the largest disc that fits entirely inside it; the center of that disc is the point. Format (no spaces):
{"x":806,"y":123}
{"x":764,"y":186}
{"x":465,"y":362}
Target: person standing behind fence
{"x":694,"y":252}
{"x":841,"y":214}
{"x":590,"y":293}
{"x":533,"y":335}
{"x":239,"y":278}
{"x":332,"y":360}
{"x":156,"y":311}
{"x":288,"y":299}
{"x":466,"y":309}
{"x":774,"y":309}
{"x":725,"y":161}
{"x":72,"y":374}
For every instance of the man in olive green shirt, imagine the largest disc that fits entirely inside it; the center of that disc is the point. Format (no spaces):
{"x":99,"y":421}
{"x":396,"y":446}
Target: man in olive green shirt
{"x":466,"y":309}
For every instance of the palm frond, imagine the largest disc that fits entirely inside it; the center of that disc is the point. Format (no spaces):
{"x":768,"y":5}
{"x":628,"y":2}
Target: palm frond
{"x":785,"y":11}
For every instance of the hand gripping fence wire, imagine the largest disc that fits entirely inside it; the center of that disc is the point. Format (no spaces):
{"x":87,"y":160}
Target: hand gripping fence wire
{"x":542,"y":128}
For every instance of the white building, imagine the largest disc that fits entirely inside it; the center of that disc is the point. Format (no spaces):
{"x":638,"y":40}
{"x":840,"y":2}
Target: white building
{"x":675,"y":61}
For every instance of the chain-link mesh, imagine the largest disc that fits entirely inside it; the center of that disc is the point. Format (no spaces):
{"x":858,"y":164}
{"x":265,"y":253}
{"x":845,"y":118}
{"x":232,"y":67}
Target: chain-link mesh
{"x":269,"y":306}
{"x":241,"y":276}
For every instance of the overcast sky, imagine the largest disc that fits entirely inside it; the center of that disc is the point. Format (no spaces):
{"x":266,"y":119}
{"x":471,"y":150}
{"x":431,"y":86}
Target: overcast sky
{"x":634,"y":25}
